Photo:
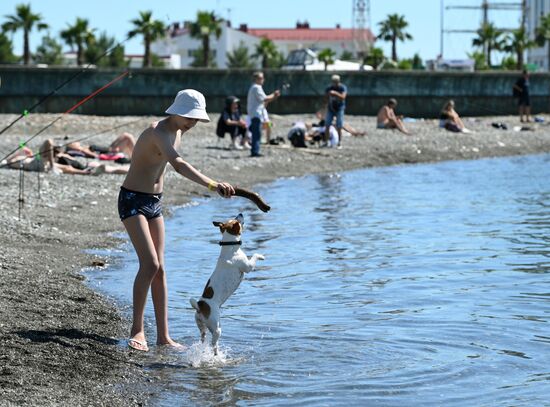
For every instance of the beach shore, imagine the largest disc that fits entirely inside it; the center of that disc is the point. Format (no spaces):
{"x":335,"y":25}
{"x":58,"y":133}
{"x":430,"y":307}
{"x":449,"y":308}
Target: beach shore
{"x":60,"y":342}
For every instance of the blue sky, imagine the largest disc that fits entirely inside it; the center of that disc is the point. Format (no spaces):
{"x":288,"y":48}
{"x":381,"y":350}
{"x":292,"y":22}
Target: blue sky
{"x":423,"y":16}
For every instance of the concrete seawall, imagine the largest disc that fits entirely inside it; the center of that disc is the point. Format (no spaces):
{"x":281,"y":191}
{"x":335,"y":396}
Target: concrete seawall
{"x":150,"y":91}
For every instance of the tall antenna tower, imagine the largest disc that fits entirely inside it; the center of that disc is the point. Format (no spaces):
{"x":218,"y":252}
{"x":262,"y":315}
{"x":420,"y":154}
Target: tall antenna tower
{"x":361,"y":22}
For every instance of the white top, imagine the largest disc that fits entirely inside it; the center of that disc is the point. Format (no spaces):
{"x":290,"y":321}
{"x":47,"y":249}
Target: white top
{"x":255,"y":101}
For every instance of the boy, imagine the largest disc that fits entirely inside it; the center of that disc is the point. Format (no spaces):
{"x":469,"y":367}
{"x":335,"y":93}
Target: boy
{"x":139,"y":206}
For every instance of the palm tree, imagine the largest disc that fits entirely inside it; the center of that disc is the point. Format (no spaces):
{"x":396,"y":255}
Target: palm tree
{"x":24,"y":19}
{"x":105,"y":46}
{"x":78,"y":34}
{"x":488,"y":38}
{"x":542,"y":34}
{"x":393,"y":29}
{"x":326,"y":56}
{"x":239,"y":57}
{"x":6,"y":50}
{"x":206,"y":24}
{"x":266,"y":51}
{"x":517,"y":43}
{"x":150,"y":29}
{"x":49,"y":52}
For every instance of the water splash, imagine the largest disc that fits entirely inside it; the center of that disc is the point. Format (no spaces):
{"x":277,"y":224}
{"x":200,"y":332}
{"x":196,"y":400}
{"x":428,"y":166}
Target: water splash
{"x":201,"y":354}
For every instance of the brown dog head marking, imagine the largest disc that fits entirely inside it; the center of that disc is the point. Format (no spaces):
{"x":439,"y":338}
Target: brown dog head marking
{"x":232,"y":227}
{"x":208,"y":292}
{"x":204,"y":308}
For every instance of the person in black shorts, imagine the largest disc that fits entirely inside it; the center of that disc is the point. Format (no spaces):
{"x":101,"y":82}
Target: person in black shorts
{"x":521,"y":91}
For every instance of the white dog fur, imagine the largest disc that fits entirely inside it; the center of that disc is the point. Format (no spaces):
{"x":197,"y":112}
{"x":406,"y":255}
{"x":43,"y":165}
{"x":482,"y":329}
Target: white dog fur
{"x":226,"y":278}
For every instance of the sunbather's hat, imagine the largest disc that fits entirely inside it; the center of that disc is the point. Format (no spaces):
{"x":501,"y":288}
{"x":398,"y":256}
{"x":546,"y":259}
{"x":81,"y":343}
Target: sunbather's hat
{"x":191,"y":104}
{"x":335,"y":78}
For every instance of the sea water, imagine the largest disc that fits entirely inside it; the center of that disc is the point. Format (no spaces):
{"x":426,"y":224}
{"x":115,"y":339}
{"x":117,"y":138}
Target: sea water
{"x":409,"y":285}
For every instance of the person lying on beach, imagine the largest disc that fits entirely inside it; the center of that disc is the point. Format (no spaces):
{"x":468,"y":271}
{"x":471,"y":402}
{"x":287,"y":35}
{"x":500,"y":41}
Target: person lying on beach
{"x":50,"y":158}
{"x":450,"y":120}
{"x":321,"y":113}
{"x":140,"y":208}
{"x":386,"y":118}
{"x":122,"y":146}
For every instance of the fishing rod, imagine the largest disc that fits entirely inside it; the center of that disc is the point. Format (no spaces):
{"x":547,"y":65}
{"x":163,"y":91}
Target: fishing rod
{"x":78,"y":104}
{"x":60,"y":86}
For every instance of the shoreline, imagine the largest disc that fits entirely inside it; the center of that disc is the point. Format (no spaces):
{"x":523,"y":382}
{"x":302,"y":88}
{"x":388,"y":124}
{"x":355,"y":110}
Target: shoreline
{"x":57,"y":334}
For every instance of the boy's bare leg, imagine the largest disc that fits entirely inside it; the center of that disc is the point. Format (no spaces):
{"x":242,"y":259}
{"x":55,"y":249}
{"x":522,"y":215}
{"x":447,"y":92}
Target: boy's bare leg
{"x":159,"y":290}
{"x":140,"y":235}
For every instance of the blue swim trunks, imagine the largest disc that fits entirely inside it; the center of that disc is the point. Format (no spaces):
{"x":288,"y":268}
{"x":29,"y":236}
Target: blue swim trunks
{"x":131,"y":203}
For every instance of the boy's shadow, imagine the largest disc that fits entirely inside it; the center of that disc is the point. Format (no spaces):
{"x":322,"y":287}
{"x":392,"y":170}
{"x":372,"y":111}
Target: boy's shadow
{"x":68,"y":338}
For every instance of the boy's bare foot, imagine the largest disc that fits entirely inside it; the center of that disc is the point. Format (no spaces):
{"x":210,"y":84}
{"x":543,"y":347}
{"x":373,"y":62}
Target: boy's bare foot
{"x":173,"y":344}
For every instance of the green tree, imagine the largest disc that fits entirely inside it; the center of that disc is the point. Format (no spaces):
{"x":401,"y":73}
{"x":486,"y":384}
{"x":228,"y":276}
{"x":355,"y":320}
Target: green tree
{"x":6,"y":50}
{"x":388,"y":64}
{"x":480,"y":64}
{"x":375,"y":57}
{"x":156,"y":61}
{"x":199,"y":61}
{"x":206,"y":24}
{"x":405,"y":64}
{"x":326,"y":56}
{"x":347,"y":56}
{"x":24,"y":19}
{"x":516,"y":43}
{"x":267,"y":52}
{"x":239,"y":58}
{"x":509,"y":63}
{"x":489,"y":38}
{"x":417,"y":62}
{"x":542,"y":34}
{"x":151,"y":30}
{"x":49,"y":52}
{"x":104,"y":52}
{"x":80,"y":35}
{"x":393,"y":29}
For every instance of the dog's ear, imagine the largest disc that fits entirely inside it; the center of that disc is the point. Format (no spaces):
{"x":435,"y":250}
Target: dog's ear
{"x":220,"y":225}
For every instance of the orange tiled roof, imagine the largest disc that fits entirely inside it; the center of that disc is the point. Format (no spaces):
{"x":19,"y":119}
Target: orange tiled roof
{"x":308,"y":34}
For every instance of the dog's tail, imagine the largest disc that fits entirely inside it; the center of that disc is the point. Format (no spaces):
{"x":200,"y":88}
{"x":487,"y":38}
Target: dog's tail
{"x":194,"y":304}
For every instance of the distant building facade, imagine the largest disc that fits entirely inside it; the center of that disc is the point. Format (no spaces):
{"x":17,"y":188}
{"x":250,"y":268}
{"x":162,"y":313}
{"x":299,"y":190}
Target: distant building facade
{"x":179,"y":41}
{"x":535,"y":10}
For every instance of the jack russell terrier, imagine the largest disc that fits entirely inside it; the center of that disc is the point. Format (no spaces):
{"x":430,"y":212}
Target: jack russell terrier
{"x":226,"y":278}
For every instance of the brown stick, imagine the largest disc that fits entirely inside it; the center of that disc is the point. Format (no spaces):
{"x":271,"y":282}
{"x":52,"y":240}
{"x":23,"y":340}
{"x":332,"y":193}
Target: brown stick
{"x":254,"y":197}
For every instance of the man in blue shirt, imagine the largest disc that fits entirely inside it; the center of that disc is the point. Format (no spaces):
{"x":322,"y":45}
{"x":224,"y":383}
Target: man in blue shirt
{"x":336,"y":104}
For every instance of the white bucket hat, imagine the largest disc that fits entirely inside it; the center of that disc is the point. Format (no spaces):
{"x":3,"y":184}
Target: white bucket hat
{"x":189,"y":103}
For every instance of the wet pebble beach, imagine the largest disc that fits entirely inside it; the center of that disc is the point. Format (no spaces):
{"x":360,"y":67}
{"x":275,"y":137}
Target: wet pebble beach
{"x":61,"y":343}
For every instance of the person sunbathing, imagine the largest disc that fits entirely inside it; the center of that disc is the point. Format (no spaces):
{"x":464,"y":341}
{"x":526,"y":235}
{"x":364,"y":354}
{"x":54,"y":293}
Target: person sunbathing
{"x":122,"y":146}
{"x":386,"y":118}
{"x":450,"y":120}
{"x":51,"y":158}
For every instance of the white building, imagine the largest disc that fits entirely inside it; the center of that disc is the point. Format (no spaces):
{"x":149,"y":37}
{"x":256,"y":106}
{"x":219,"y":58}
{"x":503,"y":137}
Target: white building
{"x":539,"y":55}
{"x":179,"y":41}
